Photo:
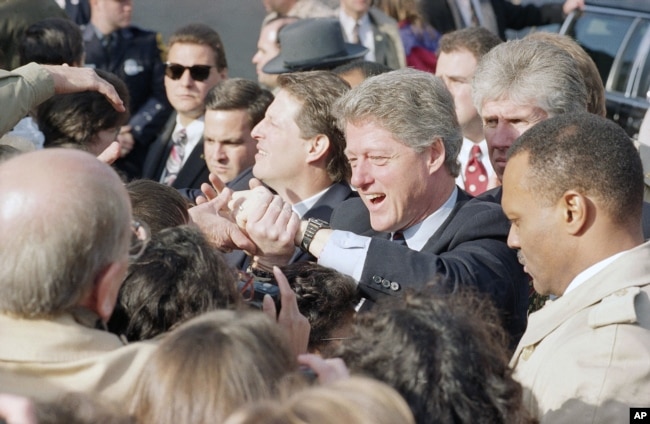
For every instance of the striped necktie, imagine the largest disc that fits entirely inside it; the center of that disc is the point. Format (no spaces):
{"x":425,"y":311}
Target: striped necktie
{"x":175,"y":159}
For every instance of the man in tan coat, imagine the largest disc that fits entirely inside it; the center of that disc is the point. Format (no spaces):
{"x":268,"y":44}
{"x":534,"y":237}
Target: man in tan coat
{"x":67,"y":234}
{"x":573,"y":191}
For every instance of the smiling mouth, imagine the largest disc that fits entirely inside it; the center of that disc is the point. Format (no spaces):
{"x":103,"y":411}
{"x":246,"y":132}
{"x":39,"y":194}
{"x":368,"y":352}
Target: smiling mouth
{"x":375,"y":198}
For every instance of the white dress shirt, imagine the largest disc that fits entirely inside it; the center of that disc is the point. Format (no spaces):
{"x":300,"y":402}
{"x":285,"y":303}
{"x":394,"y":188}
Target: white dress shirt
{"x":366,"y":36}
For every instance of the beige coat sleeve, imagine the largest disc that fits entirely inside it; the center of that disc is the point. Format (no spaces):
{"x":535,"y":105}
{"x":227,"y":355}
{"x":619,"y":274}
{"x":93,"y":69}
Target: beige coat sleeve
{"x":21,"y":90}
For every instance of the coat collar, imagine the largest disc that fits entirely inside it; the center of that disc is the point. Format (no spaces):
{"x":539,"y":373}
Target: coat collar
{"x":630,"y":270}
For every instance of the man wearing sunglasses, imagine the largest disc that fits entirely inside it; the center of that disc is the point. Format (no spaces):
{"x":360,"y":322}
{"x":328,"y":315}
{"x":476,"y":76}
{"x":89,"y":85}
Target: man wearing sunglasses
{"x":196,"y":62}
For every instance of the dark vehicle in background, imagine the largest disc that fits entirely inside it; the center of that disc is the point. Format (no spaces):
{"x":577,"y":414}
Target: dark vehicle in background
{"x":616,"y":33}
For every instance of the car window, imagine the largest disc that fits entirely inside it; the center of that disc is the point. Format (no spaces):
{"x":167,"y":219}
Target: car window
{"x":621,"y":78}
{"x":601,"y":36}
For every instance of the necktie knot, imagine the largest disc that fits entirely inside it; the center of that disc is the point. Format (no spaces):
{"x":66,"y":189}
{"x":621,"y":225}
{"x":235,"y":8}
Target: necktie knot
{"x":398,"y":237}
{"x":180,"y":137}
{"x":175,"y":159}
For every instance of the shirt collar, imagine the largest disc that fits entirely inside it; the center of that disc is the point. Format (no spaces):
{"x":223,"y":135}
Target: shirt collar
{"x":419,"y":234}
{"x":590,"y":272}
{"x":302,"y":207}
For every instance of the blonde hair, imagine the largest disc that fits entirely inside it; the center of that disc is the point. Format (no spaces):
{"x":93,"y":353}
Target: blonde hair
{"x":357,"y":400}
{"x":211,"y":365}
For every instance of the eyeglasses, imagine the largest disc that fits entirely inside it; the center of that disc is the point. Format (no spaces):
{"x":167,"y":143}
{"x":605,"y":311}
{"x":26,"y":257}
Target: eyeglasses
{"x":140,"y":236}
{"x":197,"y":72}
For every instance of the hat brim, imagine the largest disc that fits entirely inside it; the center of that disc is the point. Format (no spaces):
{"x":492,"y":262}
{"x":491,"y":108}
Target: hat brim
{"x":278,"y":66}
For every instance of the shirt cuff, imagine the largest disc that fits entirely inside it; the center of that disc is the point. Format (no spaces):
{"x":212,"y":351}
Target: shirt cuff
{"x":345,"y":252}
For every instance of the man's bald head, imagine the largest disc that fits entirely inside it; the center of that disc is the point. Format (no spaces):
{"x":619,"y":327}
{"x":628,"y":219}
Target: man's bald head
{"x":64,"y":218}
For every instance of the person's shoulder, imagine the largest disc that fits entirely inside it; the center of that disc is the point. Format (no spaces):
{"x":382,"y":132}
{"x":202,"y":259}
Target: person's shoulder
{"x":351,"y":215}
{"x":479,"y":217}
{"x":493,"y":195}
{"x":380,"y":17}
{"x":135,"y":32}
{"x":240,"y":182}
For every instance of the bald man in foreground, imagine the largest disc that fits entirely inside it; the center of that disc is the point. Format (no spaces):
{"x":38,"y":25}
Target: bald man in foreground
{"x":67,"y":236}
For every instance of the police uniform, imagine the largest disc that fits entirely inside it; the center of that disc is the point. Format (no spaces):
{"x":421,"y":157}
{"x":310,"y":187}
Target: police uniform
{"x":77,"y":10}
{"x":134,"y":55}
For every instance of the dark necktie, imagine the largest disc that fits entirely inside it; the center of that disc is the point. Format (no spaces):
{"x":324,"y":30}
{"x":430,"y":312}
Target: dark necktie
{"x":108,"y":43}
{"x":175,"y":159}
{"x":476,"y":180}
{"x":398,"y":237}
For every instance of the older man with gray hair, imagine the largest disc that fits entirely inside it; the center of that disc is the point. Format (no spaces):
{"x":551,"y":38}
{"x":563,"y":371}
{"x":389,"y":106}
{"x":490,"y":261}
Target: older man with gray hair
{"x":410,"y":222}
{"x":67,"y":235}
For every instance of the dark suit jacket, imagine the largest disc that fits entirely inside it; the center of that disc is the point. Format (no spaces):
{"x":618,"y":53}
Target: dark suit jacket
{"x":322,"y":209}
{"x":135,"y":57}
{"x":496,"y":193}
{"x":509,"y":16}
{"x":193,"y":173}
{"x":469,"y":249}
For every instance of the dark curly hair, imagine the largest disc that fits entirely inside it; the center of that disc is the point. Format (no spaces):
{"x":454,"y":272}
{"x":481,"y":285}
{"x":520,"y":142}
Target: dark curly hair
{"x":180,"y":275}
{"x":445,"y":354}
{"x":325,"y":296}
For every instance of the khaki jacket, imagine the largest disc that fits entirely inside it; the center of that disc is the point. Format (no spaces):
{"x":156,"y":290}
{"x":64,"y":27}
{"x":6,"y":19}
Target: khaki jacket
{"x":585,"y":357}
{"x":45,"y":358}
{"x":21,"y":90}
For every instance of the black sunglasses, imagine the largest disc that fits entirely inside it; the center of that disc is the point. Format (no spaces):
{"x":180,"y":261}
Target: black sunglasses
{"x":197,"y":72}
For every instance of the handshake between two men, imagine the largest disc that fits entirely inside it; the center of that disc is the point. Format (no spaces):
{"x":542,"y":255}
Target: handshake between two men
{"x":256,"y":221}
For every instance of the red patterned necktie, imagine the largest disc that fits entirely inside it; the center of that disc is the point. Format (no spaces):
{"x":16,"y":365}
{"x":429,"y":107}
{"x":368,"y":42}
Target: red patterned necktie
{"x":175,"y":159}
{"x":476,"y":179}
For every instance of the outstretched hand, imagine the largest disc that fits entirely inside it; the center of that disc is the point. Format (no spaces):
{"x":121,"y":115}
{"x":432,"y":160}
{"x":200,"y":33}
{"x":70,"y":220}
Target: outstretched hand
{"x":290,"y":319}
{"x":268,"y":221}
{"x":212,"y":190}
{"x":327,"y":370}
{"x":214,"y":219}
{"x":70,"y":79}
{"x":110,"y":154}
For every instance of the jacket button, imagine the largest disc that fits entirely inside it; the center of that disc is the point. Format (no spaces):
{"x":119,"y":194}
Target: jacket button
{"x":385,"y":283}
{"x":394,"y":286}
{"x":527,"y":352}
{"x":376,"y":279}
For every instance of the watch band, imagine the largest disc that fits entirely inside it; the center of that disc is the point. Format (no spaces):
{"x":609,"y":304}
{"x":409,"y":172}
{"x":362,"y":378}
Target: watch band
{"x":313,"y":226}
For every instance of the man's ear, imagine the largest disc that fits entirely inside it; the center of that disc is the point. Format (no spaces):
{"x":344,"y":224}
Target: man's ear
{"x":103,"y":296}
{"x":576,"y":210}
{"x":437,"y":154}
{"x":317,"y":148}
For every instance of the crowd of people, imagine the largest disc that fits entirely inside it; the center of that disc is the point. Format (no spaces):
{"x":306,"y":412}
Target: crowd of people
{"x":402,"y":221}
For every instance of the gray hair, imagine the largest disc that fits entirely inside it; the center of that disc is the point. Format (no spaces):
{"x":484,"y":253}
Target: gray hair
{"x":414,"y":106}
{"x":530,"y":71}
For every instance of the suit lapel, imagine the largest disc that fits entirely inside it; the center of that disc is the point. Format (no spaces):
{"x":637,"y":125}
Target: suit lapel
{"x":461,"y":199}
{"x":192,"y":169}
{"x":159,"y":151}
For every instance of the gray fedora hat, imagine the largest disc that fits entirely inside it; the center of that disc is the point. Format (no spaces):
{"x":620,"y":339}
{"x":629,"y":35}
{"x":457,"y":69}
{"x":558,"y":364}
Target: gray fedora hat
{"x":315,"y":43}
